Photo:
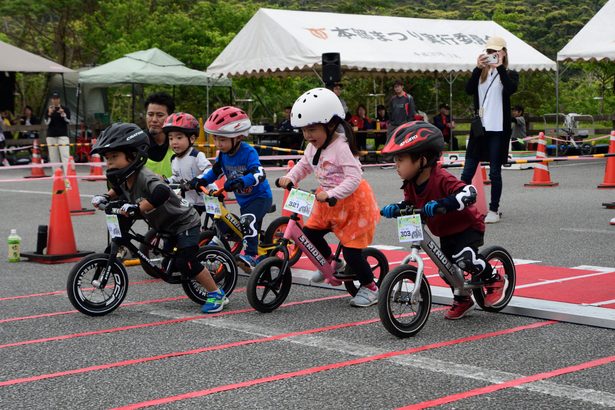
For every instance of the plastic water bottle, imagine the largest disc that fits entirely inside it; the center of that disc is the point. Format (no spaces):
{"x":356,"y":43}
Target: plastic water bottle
{"x":14,"y":242}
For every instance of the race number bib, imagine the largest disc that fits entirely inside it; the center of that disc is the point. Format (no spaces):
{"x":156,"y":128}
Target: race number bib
{"x":212,"y":205}
{"x":300,"y":201}
{"x":113,"y":225}
{"x":409,"y":228}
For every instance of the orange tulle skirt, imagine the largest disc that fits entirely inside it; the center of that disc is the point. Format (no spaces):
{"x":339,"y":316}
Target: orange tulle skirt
{"x":353,"y":219}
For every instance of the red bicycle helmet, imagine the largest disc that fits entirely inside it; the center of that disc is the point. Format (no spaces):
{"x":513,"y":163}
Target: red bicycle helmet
{"x":229,"y":122}
{"x":415,"y":136}
{"x":182,"y":122}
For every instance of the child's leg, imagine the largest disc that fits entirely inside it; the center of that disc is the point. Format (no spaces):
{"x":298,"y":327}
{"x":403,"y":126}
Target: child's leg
{"x":462,"y":249}
{"x":358,"y":264}
{"x":252,"y":216}
{"x":317,"y":237}
{"x":187,"y":262}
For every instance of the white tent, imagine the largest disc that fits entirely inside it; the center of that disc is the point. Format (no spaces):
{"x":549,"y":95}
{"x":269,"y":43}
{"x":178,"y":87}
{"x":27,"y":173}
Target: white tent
{"x":595,"y":41}
{"x":16,"y":59}
{"x":282,"y":41}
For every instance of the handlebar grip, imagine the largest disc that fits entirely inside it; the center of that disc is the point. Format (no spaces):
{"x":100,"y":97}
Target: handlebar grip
{"x":288,"y":187}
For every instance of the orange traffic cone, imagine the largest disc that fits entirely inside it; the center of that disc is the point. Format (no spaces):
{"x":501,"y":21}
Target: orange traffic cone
{"x":486,"y":180}
{"x":37,"y":172}
{"x":481,"y":200}
{"x":60,"y":245}
{"x":96,"y":169}
{"x":542,"y":177}
{"x":609,"y":171}
{"x":72,"y":189}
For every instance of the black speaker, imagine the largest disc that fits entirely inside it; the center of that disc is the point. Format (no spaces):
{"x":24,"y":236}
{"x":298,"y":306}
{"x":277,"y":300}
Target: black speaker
{"x":331,"y":68}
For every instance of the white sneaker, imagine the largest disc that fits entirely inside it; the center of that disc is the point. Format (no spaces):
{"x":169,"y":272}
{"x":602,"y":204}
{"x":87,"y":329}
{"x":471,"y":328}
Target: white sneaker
{"x":612,"y":221}
{"x":317,"y":277}
{"x":492,"y":217}
{"x":365,"y":297}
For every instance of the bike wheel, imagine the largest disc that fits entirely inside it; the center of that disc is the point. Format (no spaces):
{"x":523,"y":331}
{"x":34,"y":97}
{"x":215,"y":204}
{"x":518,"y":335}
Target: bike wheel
{"x":221,"y":265}
{"x":397,"y":313}
{"x":207,"y":236}
{"x":275,"y":232}
{"x":379,"y":265}
{"x":88,"y":299}
{"x":268,"y":286}
{"x":587,"y":149}
{"x":499,"y":259}
{"x":152,"y":253}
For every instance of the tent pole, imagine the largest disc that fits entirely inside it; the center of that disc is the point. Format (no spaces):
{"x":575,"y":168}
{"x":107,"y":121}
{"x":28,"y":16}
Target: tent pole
{"x":556,"y":106}
{"x":66,"y":100}
{"x":450,"y":80}
{"x":77,"y":113}
{"x":437,"y":87}
{"x":133,"y":102}
{"x":318,"y":75}
{"x":207,"y":92}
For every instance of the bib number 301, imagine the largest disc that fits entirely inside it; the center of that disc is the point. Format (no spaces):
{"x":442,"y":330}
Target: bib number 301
{"x":409,"y":228}
{"x":300,"y":201}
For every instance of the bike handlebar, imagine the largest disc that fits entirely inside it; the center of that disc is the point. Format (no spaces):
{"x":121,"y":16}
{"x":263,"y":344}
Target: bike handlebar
{"x":213,"y":192}
{"x":330,"y":201}
{"x":411,"y":210}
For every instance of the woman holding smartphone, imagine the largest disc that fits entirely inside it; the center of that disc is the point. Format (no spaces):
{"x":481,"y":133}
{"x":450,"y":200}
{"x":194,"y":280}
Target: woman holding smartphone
{"x":491,"y":84}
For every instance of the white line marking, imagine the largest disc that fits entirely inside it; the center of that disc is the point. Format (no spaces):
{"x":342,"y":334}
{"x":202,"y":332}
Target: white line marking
{"x":611,"y":232}
{"x":547,"y":282}
{"x":606,"y":302}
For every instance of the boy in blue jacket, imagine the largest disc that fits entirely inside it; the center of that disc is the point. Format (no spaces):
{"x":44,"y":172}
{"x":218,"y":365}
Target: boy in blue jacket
{"x":245,"y":175}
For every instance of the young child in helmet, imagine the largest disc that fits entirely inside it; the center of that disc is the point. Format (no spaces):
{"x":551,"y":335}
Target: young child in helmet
{"x":187,"y":162}
{"x":245,"y":175}
{"x":125,"y":148}
{"x":448,"y":204}
{"x":331,"y":155}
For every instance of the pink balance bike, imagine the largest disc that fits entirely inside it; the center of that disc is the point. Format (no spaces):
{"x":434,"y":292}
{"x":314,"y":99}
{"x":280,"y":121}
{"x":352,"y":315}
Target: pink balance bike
{"x":271,"y":279}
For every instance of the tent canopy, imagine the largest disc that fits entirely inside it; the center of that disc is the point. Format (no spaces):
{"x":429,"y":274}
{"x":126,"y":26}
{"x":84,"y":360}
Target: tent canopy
{"x":282,"y":41}
{"x":596,"y":40}
{"x":18,"y":60}
{"x":151,"y":66}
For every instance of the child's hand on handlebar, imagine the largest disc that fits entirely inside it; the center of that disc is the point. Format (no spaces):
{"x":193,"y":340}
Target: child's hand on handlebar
{"x":322,"y":196}
{"x":390,"y":211}
{"x":283,"y":182}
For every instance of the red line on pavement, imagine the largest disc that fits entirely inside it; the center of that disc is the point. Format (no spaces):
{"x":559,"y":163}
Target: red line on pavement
{"x":189,"y":352}
{"x":161,"y":323}
{"x":511,"y":383}
{"x":66,"y":312}
{"x":59,"y":292}
{"x":331,"y":366}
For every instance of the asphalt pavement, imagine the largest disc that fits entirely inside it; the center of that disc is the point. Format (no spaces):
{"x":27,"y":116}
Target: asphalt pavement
{"x":158,"y":349}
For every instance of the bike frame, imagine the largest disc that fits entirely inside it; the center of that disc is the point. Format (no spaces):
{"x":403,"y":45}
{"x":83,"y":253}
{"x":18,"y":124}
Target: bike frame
{"x":295,"y":233}
{"x":126,"y":241}
{"x":450,"y":272}
{"x":234,"y":224}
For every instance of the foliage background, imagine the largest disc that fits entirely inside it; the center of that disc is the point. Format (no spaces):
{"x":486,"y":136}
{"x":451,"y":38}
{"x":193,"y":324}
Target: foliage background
{"x":78,"y":33}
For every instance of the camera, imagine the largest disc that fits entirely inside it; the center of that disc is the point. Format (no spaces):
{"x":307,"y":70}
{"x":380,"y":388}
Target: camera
{"x":493,"y":58}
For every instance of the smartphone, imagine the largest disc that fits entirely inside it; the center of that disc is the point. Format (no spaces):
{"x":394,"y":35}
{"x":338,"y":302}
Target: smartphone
{"x":493,"y":58}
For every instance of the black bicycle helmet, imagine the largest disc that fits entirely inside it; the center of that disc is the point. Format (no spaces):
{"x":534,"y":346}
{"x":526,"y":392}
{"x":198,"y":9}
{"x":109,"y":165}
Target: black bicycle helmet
{"x":415,"y":137}
{"x":125,"y":137}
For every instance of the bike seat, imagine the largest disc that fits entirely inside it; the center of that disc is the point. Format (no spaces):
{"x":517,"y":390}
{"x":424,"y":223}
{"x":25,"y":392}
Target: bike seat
{"x":272,"y":209}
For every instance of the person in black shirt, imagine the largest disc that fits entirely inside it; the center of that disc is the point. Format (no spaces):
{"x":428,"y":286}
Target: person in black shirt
{"x":57,"y":119}
{"x":445,"y":124}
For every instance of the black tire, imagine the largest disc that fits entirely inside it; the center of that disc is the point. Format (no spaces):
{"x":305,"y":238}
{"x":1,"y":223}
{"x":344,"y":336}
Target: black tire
{"x":500,"y":259}
{"x":206,"y":237}
{"x":563,"y":149}
{"x":266,"y":280}
{"x":221,"y":265}
{"x":587,"y":149}
{"x":275,"y":232}
{"x":89,"y":300}
{"x":380,"y":267}
{"x":151,"y":237}
{"x":394,"y":304}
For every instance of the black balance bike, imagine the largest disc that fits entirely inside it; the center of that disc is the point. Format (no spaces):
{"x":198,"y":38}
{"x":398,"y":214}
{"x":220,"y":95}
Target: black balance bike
{"x":98,"y":283}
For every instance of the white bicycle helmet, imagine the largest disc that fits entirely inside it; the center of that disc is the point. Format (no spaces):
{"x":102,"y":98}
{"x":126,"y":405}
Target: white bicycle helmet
{"x":316,"y":106}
